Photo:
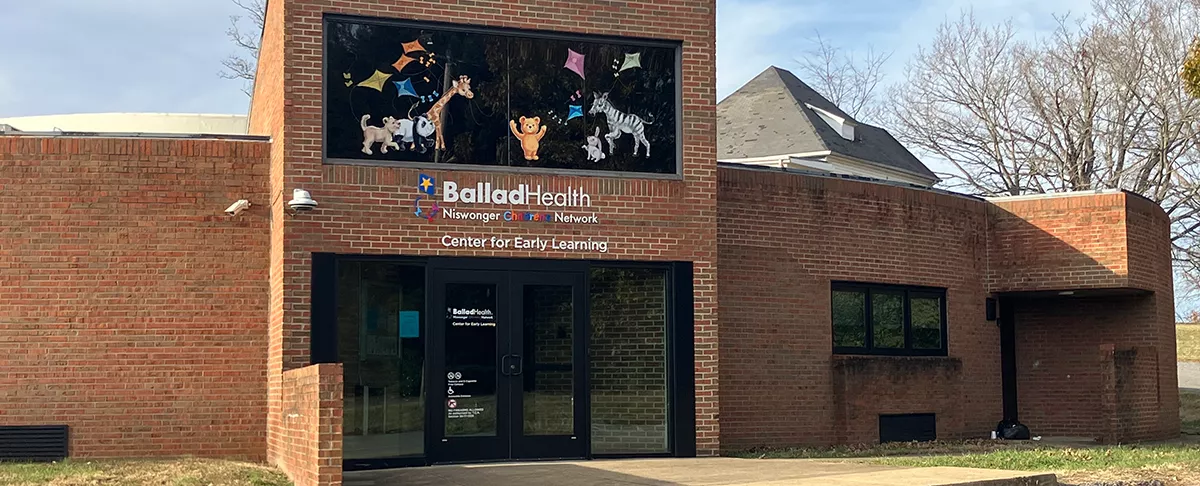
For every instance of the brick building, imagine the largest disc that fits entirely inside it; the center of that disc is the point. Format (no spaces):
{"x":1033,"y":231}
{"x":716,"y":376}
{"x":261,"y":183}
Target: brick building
{"x":497,"y":230}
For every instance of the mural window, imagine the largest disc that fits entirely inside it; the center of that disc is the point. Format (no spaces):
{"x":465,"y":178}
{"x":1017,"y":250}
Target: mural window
{"x":889,"y":320}
{"x":432,"y":94}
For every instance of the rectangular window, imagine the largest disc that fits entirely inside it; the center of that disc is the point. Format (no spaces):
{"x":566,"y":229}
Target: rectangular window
{"x":629,"y":360}
{"x":382,"y":351}
{"x":400,"y":92}
{"x":890,"y":320}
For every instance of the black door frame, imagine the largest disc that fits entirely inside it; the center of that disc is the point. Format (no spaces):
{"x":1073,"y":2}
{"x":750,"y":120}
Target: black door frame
{"x":680,"y":339}
{"x":509,"y":443}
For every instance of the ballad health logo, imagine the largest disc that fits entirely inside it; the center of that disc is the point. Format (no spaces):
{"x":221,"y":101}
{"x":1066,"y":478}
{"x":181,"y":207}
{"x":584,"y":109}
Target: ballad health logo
{"x":428,"y":186}
{"x":485,"y":193}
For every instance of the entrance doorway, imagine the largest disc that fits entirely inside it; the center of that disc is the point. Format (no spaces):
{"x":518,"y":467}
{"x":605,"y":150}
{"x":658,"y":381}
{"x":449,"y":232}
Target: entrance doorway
{"x":508,"y":365}
{"x":451,"y":360}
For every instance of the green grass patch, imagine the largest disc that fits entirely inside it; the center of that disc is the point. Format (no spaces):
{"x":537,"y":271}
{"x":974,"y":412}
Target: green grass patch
{"x":1189,"y":412}
{"x":177,"y":472}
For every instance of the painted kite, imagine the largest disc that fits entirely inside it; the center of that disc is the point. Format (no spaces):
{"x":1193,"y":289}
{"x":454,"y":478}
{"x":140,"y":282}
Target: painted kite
{"x":576,"y":112}
{"x":575,"y":62}
{"x":403,"y":61}
{"x":414,"y":46}
{"x":376,"y":81}
{"x":631,"y":61}
{"x":405,"y":88}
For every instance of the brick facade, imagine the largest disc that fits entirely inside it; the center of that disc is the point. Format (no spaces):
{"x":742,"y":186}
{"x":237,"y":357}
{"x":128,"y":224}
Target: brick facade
{"x":154,"y":325}
{"x":1071,"y":349}
{"x":131,"y":308}
{"x":310,"y":438}
{"x":784,"y":238}
{"x":364,"y":208}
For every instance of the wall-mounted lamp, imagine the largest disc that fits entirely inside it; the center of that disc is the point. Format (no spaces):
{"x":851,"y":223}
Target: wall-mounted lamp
{"x":302,"y":201}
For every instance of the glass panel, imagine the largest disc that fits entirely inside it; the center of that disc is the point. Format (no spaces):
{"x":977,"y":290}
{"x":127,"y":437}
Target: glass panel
{"x":589,"y":105}
{"x":381,"y":343}
{"x":849,"y":319}
{"x":470,"y":360}
{"x":629,"y":360}
{"x":926,"y":322}
{"x":408,"y":81}
{"x":887,"y":320}
{"x":548,"y":375}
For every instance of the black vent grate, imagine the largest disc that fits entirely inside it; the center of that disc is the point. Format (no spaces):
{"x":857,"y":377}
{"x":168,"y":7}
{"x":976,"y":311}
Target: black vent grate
{"x":33,"y":443}
{"x":920,"y":427}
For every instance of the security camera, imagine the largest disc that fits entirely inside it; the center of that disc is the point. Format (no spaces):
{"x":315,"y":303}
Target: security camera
{"x":238,"y":207}
{"x":302,"y":201}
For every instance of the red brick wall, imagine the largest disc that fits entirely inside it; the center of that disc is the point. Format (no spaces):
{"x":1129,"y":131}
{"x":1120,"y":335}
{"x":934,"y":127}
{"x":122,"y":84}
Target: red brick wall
{"x":865,"y":387}
{"x":1066,"y":384}
{"x":1059,"y":242}
{"x":782,"y":239}
{"x":309,"y":438}
{"x":131,"y":308}
{"x":366,"y":209}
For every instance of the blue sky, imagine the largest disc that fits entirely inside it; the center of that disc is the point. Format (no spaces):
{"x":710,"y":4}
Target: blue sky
{"x":75,"y":56}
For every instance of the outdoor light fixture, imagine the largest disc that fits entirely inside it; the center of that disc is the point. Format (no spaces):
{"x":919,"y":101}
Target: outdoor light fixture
{"x":1067,"y":292}
{"x":302,"y":201}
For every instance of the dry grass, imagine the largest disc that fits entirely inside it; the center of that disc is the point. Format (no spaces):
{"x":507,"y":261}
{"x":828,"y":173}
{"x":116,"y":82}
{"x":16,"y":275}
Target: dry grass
{"x":1174,"y":463}
{"x":179,"y":472}
{"x":1187,"y":342}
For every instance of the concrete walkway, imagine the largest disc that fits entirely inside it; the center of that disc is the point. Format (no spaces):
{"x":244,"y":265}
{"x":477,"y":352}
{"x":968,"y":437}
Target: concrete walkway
{"x":1189,"y":376}
{"x":721,"y":471}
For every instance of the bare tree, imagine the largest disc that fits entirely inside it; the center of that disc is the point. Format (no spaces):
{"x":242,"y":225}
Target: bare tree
{"x":847,"y":81}
{"x":246,"y":38}
{"x":1096,"y":105}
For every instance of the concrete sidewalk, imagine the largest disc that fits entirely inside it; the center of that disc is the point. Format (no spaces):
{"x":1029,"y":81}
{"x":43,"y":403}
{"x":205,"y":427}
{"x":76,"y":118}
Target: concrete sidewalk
{"x":694,"y":472}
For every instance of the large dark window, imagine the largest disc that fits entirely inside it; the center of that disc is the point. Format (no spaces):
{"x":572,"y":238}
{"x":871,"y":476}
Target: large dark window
{"x":381,"y":345}
{"x":498,"y":98}
{"x":629,"y":361}
{"x":883,"y":319}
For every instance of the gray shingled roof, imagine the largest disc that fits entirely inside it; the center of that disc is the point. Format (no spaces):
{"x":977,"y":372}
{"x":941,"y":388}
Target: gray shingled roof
{"x":768,"y":116}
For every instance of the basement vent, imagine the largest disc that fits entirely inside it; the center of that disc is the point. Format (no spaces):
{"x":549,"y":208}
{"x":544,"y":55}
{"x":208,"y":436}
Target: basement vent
{"x":33,"y":443}
{"x":920,"y":427}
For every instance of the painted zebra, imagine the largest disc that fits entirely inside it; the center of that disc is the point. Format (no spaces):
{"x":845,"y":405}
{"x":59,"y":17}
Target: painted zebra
{"x":619,"y":123}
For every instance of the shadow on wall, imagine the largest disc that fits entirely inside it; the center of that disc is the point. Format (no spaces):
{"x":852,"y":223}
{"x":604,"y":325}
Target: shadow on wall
{"x":783,"y":238}
{"x":1089,"y":280}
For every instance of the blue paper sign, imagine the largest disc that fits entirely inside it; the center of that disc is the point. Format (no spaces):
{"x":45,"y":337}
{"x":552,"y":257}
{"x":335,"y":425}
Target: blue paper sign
{"x":410,"y":324}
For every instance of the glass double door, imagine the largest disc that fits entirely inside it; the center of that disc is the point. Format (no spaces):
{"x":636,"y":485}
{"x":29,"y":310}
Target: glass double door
{"x":508,"y":349}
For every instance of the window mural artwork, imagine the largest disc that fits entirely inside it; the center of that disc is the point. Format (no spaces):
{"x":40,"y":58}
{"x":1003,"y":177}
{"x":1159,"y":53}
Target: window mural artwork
{"x":413,"y":93}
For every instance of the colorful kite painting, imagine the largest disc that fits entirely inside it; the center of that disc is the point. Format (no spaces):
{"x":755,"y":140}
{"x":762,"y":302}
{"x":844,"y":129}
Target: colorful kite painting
{"x":576,"y":112}
{"x":631,"y":61}
{"x":403,"y":61}
{"x":376,"y":81}
{"x":414,"y":46}
{"x":405,"y":88}
{"x":575,"y":62}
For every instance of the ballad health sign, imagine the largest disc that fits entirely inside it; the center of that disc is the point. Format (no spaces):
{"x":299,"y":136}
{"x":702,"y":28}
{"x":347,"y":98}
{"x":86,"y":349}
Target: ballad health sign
{"x":558,"y":205}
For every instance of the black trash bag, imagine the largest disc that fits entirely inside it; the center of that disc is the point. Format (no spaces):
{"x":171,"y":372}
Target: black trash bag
{"x":1012,"y":430}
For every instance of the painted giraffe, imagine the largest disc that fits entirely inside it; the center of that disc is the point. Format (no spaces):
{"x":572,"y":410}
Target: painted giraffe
{"x":462,"y":86}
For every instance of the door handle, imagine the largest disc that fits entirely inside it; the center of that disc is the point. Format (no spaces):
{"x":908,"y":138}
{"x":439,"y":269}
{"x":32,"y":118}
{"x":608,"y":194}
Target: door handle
{"x":504,"y":365}
{"x":517,"y":366}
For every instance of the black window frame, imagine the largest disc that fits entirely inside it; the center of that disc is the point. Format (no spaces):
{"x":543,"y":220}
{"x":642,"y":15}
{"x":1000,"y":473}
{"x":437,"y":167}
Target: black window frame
{"x":909,"y":292}
{"x":525,"y":33}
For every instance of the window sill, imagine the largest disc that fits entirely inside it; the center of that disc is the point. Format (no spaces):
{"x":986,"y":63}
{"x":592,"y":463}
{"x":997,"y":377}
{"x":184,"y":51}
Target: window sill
{"x":893,"y":364}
